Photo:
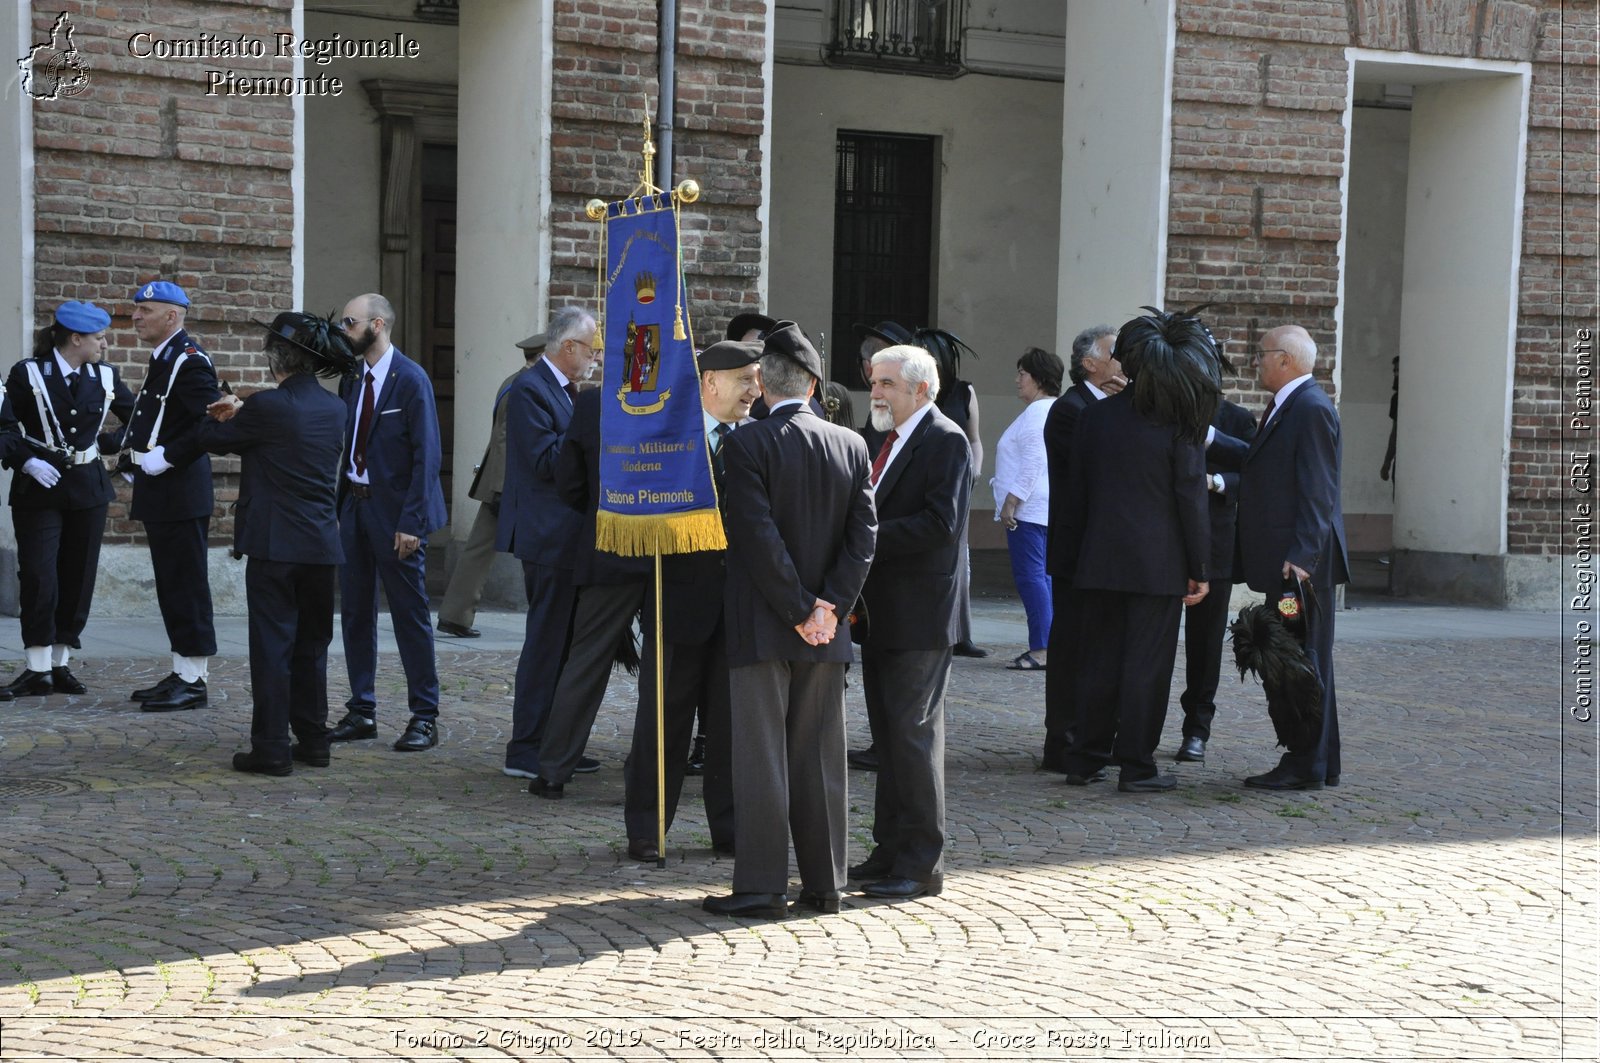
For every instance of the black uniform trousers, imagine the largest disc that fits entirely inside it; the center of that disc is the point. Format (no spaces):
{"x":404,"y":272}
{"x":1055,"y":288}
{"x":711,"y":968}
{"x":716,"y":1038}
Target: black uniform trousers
{"x":58,"y":554}
{"x":291,"y":624}
{"x":1124,"y":675}
{"x":1204,"y":626}
{"x":183,"y":585}
{"x":696,"y":676}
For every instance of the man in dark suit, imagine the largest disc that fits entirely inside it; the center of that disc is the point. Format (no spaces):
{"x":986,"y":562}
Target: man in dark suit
{"x":392,"y":503}
{"x":291,"y":439}
{"x":1137,"y":533}
{"x":1205,"y":624}
{"x":800,"y":538}
{"x":1291,"y":523}
{"x":694,"y":650}
{"x":922,"y":479}
{"x":460,"y":606}
{"x":173,"y":500}
{"x":55,"y":407}
{"x":1095,"y":373}
{"x":537,"y":527}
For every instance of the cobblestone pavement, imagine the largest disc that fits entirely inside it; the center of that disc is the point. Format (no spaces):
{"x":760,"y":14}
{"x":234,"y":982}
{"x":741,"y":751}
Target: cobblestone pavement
{"x":1440,"y":904}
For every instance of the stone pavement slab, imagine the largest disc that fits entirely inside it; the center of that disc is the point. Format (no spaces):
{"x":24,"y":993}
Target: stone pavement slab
{"x":1440,"y":904}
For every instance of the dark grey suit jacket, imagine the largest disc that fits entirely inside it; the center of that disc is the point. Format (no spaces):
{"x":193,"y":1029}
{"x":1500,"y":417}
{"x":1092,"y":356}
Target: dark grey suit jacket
{"x":1059,"y":425}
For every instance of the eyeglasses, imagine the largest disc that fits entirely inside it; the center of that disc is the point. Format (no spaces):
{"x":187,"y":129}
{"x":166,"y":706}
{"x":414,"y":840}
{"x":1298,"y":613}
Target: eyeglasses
{"x":1255,"y":359}
{"x":352,"y":322}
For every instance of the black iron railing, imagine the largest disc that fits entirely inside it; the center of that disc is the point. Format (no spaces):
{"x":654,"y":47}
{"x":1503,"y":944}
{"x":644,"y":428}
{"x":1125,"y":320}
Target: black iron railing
{"x":438,"y":10}
{"x":912,"y":36}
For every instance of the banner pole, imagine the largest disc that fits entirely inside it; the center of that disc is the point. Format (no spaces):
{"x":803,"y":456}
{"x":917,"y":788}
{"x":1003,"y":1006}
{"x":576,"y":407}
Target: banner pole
{"x":661,"y":730}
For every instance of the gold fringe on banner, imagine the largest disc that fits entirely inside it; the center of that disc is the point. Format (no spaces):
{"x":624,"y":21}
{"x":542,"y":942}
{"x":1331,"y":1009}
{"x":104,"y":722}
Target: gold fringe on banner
{"x":640,"y":535}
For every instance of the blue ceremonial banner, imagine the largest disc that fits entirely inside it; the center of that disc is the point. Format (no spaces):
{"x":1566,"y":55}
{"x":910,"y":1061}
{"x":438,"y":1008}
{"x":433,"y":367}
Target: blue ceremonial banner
{"x":656,"y":493}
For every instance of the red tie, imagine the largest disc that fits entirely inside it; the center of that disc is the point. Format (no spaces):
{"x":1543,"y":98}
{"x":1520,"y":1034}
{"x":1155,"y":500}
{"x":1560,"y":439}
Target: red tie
{"x":883,"y":455}
{"x":572,"y":391}
{"x":358,"y":456}
{"x":1267,"y":413}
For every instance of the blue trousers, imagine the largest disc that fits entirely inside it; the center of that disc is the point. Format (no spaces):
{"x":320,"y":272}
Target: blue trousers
{"x":370,"y":558}
{"x":1026,"y":545}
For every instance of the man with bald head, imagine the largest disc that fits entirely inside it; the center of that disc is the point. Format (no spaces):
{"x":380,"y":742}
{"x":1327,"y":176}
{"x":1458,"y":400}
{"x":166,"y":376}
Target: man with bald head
{"x":1291,"y":523}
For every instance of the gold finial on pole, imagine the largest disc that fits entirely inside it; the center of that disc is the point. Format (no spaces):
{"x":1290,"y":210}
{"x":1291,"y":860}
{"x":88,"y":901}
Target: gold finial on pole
{"x":649,"y":153}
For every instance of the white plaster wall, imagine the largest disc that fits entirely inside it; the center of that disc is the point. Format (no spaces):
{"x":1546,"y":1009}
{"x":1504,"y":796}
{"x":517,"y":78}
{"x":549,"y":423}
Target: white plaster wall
{"x":998,"y":204}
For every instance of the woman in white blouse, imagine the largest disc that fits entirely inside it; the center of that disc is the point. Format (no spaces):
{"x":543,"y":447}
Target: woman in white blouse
{"x":1022,"y":498}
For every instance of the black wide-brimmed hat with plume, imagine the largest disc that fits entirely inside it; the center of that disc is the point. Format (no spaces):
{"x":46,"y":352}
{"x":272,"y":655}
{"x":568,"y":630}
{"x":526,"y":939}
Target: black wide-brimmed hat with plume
{"x":1175,"y":369}
{"x":319,"y":337}
{"x":1265,"y":643}
{"x":946,"y":348}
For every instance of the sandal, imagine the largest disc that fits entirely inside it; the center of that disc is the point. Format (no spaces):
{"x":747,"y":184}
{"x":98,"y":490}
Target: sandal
{"x":1025,"y":662}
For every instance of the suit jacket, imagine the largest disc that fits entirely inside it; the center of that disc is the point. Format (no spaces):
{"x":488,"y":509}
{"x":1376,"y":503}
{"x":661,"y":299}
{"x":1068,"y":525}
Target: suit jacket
{"x":912,"y":593}
{"x":1289,"y":506}
{"x":1233,"y":420}
{"x":403,"y":451}
{"x":1136,"y":518}
{"x":81,"y":486}
{"x":693,"y":584}
{"x":488,"y":480}
{"x":577,"y":481}
{"x":182,"y":492}
{"x":801,"y":526}
{"x":292,"y":440}
{"x":1059,"y":427}
{"x":535,"y":524}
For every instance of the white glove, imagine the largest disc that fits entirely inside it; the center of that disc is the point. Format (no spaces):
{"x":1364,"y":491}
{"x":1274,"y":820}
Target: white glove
{"x":155,"y":463}
{"x":46,"y":474}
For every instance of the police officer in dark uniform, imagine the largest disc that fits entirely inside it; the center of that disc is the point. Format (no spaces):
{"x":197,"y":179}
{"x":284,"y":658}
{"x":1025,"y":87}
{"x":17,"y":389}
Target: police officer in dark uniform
{"x":55,"y":407}
{"x":292,"y":441}
{"x":174,"y":499}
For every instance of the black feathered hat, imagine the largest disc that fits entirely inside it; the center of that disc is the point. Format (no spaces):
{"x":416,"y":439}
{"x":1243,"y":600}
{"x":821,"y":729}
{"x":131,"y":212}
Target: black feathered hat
{"x":889,"y":332}
{"x":323,"y":340}
{"x":946,"y":348}
{"x":1175,"y":369}
{"x":1265,"y":644}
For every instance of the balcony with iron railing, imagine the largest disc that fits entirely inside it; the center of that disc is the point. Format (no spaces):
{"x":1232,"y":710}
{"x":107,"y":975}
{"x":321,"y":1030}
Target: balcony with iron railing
{"x":905,"y":36}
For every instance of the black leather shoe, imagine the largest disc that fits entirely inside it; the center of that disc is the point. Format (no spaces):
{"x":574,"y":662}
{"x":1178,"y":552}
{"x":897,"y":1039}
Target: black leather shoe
{"x":586,"y":766}
{"x":1333,"y":780}
{"x":1281,"y":778}
{"x":460,"y":631}
{"x":1072,"y":778}
{"x":313,"y":753}
{"x":353,"y":728}
{"x":904,"y":889}
{"x":160,"y":690}
{"x":722,"y":848}
{"x":65,"y":682}
{"x":826,"y":902}
{"x":644,"y":850}
{"x":1193,"y":749}
{"x":1150,"y":784}
{"x":420,"y":734}
{"x":256,"y":764}
{"x":183,"y":696}
{"x":873,"y":866}
{"x":550,"y":791}
{"x":697,"y":757}
{"x":749,"y":905}
{"x":29,"y":683}
{"x":865,"y":759}
{"x":968,"y":648}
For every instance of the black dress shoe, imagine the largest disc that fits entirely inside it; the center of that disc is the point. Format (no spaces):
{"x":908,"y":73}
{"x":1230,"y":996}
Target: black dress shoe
{"x":353,"y":727}
{"x":749,"y":905}
{"x":824,"y":901}
{"x":904,"y":889}
{"x":865,"y":759}
{"x":29,"y":683}
{"x":697,"y":757}
{"x":420,"y":734}
{"x":643,"y":850}
{"x":723,"y":848}
{"x":256,"y":764}
{"x":460,"y":631}
{"x":313,"y":753}
{"x":968,"y":648}
{"x":586,"y":766}
{"x":1073,"y":778}
{"x":1281,"y":778}
{"x":65,"y":682}
{"x":551,"y":791}
{"x":1150,"y":784}
{"x":160,"y":690}
{"x":1333,"y":780}
{"x":183,"y":696}
{"x":1192,"y":749}
{"x":873,"y":866}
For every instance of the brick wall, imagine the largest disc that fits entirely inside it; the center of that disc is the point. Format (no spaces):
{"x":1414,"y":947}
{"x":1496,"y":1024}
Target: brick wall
{"x":145,"y":176}
{"x":1258,"y":148}
{"x":604,"y":72}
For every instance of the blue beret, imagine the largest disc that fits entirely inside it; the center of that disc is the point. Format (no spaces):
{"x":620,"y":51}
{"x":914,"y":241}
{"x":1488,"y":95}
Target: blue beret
{"x":85,"y":318}
{"x":161,"y":292}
